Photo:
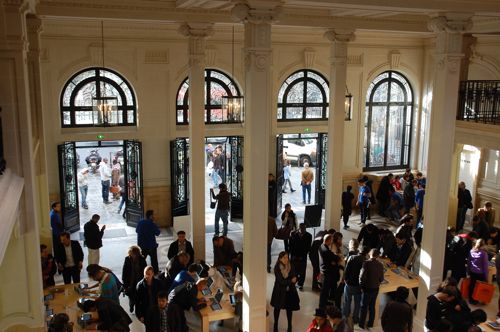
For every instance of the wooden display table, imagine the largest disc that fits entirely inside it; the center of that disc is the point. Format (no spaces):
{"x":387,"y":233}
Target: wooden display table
{"x":65,"y":298}
{"x":208,"y":315}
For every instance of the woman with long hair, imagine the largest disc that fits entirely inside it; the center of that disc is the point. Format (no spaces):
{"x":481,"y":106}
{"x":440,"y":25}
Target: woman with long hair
{"x":132,"y":273}
{"x":285,"y":294}
{"x":477,"y":266}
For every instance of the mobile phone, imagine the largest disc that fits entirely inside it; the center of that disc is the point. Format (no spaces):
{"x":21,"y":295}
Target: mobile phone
{"x":86,"y":317}
{"x":48,"y":297}
{"x":49,"y":312}
{"x":232,"y":299}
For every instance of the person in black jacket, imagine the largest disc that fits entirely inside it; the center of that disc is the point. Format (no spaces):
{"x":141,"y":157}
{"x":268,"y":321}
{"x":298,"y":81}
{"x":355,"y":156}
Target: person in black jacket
{"x":401,"y":251}
{"x":370,"y":278}
{"x":112,"y":317}
{"x":223,"y":199}
{"x":49,"y":267}
{"x":181,"y":244}
{"x":398,"y":314}
{"x":156,"y":318}
{"x":147,"y":290}
{"x":132,"y":273}
{"x":175,"y":265}
{"x":464,"y":203}
{"x":347,"y":197}
{"x":93,"y":238}
{"x":300,"y":244}
{"x":182,"y":297}
{"x":288,"y":219}
{"x":409,"y":195}
{"x":330,"y":270}
{"x":69,"y":258}
{"x":438,"y":306}
{"x":284,"y":294}
{"x":480,"y":227}
{"x":224,"y":253}
{"x":369,"y":236}
{"x":314,"y":258}
{"x":384,"y":193}
{"x":352,"y":289}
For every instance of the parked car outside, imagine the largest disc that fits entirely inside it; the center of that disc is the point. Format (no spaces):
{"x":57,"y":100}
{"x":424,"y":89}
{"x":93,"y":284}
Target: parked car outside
{"x":300,"y":150}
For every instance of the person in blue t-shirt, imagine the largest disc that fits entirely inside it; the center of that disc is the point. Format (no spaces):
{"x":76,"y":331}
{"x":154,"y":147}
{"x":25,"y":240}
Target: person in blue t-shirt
{"x":56,"y":225}
{"x":419,"y":201}
{"x":147,"y":231}
{"x":191,"y":275}
{"x":364,"y":194}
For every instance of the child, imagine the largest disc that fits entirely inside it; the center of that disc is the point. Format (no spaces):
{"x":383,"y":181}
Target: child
{"x":156,"y":317}
{"x":347,"y":198}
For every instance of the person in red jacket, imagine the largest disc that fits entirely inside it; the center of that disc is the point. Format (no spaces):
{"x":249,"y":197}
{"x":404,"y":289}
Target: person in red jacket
{"x":320,"y":323}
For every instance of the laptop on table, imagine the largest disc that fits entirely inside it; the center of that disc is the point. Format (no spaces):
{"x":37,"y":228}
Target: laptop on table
{"x":216,"y":301}
{"x":206,"y":291}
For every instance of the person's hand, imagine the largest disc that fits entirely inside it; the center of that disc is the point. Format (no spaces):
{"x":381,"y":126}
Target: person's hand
{"x":103,"y":227}
{"x":294,"y":280}
{"x":458,"y":307}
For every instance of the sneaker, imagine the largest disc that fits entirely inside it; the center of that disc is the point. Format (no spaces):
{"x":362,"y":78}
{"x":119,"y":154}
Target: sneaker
{"x":284,"y":192}
{"x":293,"y":190}
{"x":361,"y":224}
{"x":303,"y":202}
{"x":346,"y":227}
{"x":301,"y":288}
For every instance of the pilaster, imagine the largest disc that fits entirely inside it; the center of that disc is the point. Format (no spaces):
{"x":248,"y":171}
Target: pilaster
{"x":197,"y":34}
{"x":448,"y":31}
{"x":335,"y":156}
{"x":257,"y":18}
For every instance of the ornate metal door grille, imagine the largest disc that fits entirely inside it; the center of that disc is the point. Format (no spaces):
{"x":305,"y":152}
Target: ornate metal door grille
{"x":234,"y":175}
{"x":68,"y":186}
{"x":321,"y":164}
{"x":279,"y":172}
{"x":133,"y":182}
{"x":179,"y":171}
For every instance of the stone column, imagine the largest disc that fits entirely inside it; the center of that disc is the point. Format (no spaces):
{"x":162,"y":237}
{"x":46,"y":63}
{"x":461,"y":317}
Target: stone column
{"x":197,"y":33}
{"x":258,"y":113}
{"x":448,"y":55}
{"x":335,"y":154}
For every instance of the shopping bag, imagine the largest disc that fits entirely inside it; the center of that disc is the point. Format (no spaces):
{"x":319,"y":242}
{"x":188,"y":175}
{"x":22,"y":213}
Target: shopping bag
{"x":464,"y":288}
{"x":212,"y":202}
{"x":115,"y":189}
{"x":483,"y":292}
{"x":283,"y":233}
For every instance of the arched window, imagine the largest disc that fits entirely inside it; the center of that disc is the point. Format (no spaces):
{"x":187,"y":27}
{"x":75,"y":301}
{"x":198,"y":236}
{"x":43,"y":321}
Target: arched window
{"x":217,"y":85}
{"x":82,"y":89}
{"x":303,"y":96}
{"x":388,"y":122}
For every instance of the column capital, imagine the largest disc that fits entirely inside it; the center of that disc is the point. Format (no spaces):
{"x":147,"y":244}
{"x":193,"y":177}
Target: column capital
{"x":339,"y":35}
{"x":196,"y":29}
{"x":197,"y":33}
{"x":257,"y":12}
{"x":450,"y":22}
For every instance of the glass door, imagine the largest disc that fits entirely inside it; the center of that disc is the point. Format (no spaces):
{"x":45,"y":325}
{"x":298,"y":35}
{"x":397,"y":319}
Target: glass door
{"x":68,"y":186}
{"x":134,"y":205}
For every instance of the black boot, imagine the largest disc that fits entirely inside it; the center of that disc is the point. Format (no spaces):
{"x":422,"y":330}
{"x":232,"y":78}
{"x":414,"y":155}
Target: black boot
{"x":275,"y":329}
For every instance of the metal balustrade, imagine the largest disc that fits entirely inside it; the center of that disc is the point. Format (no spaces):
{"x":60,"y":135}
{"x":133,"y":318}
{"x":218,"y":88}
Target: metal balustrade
{"x":479,"y":101}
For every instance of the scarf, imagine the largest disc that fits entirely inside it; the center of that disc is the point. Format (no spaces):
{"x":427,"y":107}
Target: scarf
{"x":285,"y":269}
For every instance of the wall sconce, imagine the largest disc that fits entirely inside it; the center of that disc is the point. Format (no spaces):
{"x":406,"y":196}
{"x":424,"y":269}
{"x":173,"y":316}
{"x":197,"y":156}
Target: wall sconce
{"x":232,"y":107}
{"x":348,"y":106}
{"x":105,"y":111}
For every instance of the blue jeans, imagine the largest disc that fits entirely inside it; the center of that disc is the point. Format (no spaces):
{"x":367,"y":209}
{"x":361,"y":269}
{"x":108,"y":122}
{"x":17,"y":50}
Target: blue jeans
{"x":221,"y":214}
{"x":105,"y":190}
{"x":122,"y":202}
{"x":368,"y":300}
{"x":349,"y":293}
{"x":84,"y":190}
{"x":306,"y":187}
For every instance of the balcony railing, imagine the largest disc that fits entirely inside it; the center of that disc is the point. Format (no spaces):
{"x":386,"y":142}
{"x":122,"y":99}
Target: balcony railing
{"x":479,"y":101}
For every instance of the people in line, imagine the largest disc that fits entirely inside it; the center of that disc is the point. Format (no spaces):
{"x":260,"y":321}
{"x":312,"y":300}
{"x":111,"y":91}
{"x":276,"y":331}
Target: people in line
{"x":347,"y":198}
{"x":147,"y":231}
{"x":107,"y":282}
{"x":147,"y":289}
{"x":223,"y":199}
{"x":49,"y":266}
{"x":132,"y":273}
{"x":289,"y":220}
{"x":181,"y":245}
{"x":69,"y":258}
{"x":300,"y":244}
{"x":284,"y":295}
{"x":93,"y":238}
{"x":307,"y":177}
{"x":370,"y":278}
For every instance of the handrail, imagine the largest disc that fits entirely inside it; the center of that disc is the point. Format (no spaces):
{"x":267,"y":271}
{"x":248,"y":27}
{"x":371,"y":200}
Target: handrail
{"x":479,"y":101}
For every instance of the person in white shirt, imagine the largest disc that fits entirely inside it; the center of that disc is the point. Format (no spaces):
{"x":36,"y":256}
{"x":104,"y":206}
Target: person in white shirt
{"x":105,"y":179}
{"x":287,"y":174}
{"x":83,"y":185}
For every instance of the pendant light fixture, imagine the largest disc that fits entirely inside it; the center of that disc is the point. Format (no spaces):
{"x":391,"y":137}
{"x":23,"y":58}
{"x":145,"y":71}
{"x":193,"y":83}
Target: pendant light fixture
{"x":233,"y":106}
{"x":104,"y":107}
{"x":348,"y":105}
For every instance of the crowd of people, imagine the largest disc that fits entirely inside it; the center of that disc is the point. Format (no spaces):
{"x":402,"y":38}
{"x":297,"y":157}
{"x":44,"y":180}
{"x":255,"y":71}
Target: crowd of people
{"x":347,"y":280}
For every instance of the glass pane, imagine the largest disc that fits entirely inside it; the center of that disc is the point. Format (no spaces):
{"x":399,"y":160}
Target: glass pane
{"x":294,"y":112}
{"x":395,"y":135}
{"x":380,"y":94}
{"x":374,"y":82}
{"x":67,"y":94}
{"x":216,"y":93}
{"x":294,"y":76}
{"x":316,"y":77}
{"x":327,"y":112}
{"x":66,"y":118}
{"x":115,"y":117}
{"x":296,"y":94}
{"x":80,"y":77}
{"x":111,"y":76}
{"x":313,"y":93}
{"x":408,"y":115}
{"x":397,"y":94}
{"x":85,"y":95}
{"x":107,"y":90}
{"x":281,"y":92}
{"x":280,"y":113}
{"x":313,"y":112}
{"x":377,"y":136}
{"x":217,"y":115}
{"x":84,"y":117}
{"x":180,"y":116}
{"x":128,"y":94}
{"x":182,"y":92}
{"x":130,"y":116}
